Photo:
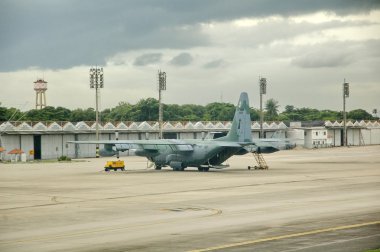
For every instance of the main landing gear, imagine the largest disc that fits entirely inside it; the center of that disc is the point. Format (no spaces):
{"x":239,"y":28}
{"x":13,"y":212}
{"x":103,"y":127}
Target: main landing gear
{"x":158,"y":167}
{"x":203,"y":169}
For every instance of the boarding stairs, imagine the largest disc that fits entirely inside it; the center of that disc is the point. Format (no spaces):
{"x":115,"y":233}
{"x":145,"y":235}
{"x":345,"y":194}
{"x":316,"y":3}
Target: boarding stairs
{"x":261,"y":164}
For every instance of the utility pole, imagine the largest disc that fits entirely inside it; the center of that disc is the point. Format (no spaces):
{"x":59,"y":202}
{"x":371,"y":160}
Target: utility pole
{"x":96,"y":81}
{"x":161,"y":87}
{"x":346,"y":93}
{"x":263,"y":90}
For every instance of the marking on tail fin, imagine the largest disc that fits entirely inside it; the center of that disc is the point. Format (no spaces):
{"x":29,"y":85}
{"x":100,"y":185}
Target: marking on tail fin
{"x":241,"y":125}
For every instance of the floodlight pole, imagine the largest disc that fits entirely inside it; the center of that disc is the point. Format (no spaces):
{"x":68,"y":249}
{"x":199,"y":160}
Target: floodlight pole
{"x":346,"y":93}
{"x":97,"y":119}
{"x":161,"y":87}
{"x":263,"y":90}
{"x":96,"y":81}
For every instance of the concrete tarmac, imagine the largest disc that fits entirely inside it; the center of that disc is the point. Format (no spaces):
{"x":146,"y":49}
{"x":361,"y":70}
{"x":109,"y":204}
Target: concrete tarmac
{"x":308,"y":200}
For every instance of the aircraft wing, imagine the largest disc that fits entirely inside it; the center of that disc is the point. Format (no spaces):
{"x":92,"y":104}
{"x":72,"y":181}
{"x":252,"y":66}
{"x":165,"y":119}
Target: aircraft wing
{"x":149,"y":145}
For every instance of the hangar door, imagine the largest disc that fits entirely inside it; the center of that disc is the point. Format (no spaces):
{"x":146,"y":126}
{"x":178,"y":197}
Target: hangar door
{"x":37,"y":146}
{"x":169,"y":135}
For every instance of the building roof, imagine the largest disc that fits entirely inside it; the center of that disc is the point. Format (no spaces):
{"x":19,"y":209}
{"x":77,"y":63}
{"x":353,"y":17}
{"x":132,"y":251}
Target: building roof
{"x":90,"y":127}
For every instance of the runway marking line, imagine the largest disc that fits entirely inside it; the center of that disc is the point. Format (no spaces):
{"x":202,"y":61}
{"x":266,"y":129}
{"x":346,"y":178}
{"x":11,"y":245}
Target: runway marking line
{"x":274,"y":238}
{"x":333,"y":242}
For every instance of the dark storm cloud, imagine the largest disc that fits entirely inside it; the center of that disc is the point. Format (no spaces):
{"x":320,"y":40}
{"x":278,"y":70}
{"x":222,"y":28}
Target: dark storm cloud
{"x":214,"y":64}
{"x":149,"y":58}
{"x":182,"y":59}
{"x":62,"y":34}
{"x":336,"y":54}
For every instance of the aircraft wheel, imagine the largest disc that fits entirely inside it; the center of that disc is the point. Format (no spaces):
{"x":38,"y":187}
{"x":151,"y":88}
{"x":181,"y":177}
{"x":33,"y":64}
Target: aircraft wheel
{"x":179,"y":169}
{"x":203,"y":169}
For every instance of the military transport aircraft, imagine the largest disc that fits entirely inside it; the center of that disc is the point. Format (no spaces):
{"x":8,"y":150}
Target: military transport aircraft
{"x":203,"y":154}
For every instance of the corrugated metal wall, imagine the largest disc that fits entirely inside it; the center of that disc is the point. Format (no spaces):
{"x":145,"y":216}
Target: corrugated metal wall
{"x":54,"y":145}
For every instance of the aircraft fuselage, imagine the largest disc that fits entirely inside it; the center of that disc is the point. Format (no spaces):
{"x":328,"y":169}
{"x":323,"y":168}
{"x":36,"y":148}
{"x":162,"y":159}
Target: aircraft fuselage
{"x":205,"y":153}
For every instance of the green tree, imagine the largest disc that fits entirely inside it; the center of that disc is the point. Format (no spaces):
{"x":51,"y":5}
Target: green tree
{"x":329,"y":115}
{"x":192,"y":112}
{"x":174,"y":112}
{"x":49,"y":114}
{"x":9,"y":114}
{"x":61,"y":114}
{"x":289,"y":109}
{"x":35,"y":115}
{"x":105,"y":115}
{"x":145,"y":110}
{"x":3,"y":114}
{"x":271,"y":107}
{"x":359,"y":114}
{"x":309,"y":114}
{"x":255,"y":114}
{"x":217,"y":111}
{"x":122,"y":112}
{"x":78,"y":115}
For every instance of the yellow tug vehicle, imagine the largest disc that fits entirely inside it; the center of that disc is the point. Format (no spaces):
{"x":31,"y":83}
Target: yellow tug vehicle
{"x":114,"y":165}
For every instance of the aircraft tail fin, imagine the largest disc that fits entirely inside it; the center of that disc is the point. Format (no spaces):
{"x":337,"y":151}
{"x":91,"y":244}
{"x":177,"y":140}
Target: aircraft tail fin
{"x":241,"y":125}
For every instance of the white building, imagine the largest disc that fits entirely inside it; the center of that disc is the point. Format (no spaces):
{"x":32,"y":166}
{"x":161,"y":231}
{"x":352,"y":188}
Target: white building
{"x":316,"y":138}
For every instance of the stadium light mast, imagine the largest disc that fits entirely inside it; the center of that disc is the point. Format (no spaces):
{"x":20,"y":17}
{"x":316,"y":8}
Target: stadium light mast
{"x":161,"y":87}
{"x":374,"y":112}
{"x":346,"y":93}
{"x":263,"y":90}
{"x":96,"y":81}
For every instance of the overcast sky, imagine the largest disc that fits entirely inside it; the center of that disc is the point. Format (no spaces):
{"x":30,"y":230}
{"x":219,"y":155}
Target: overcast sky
{"x":211,"y":51}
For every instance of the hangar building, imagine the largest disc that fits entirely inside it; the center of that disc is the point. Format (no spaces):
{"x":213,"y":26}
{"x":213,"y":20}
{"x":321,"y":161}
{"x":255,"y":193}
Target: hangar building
{"x":47,"y":140}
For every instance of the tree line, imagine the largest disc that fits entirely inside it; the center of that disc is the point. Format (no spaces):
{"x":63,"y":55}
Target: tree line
{"x":147,"y":110}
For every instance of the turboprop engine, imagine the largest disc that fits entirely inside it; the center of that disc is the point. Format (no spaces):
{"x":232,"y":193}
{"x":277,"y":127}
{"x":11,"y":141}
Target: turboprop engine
{"x":175,"y":161}
{"x":107,"y":151}
{"x":177,"y":165}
